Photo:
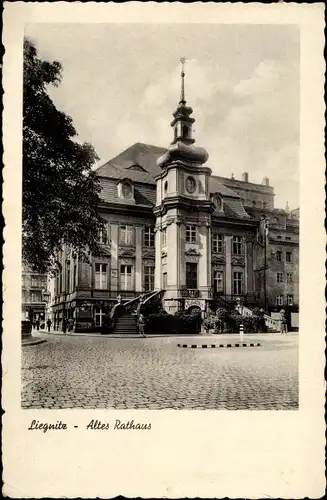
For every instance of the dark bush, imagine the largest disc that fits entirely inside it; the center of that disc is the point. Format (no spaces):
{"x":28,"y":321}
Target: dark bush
{"x":152,"y":307}
{"x":160,"y":322}
{"x":180,"y":323}
{"x":258,"y":312}
{"x":187,"y":323}
{"x":222,"y":313}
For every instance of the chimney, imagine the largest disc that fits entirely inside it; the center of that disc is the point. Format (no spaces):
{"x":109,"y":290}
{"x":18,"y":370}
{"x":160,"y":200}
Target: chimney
{"x":265,"y":181}
{"x":245,"y":177}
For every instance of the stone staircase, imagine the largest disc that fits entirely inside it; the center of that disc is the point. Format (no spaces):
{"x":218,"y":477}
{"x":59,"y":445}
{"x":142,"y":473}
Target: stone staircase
{"x":273,"y":325}
{"x":126,"y":325}
{"x":125,"y":315}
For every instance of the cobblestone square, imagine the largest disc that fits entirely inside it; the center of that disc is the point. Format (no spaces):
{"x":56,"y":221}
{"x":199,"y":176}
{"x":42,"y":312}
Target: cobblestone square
{"x":70,"y":371}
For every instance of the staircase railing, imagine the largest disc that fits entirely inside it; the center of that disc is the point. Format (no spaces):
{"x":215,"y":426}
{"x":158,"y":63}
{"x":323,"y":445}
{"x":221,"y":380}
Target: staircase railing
{"x":223,"y":303}
{"x":157,"y":293}
{"x":128,"y":306}
{"x":270,"y":322}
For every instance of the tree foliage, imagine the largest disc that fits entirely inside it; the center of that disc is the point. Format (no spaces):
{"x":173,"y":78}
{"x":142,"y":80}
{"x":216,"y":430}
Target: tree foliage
{"x":60,"y":189}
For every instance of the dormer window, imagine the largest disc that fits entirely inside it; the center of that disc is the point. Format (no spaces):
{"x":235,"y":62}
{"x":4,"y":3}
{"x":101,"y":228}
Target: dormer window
{"x":126,"y":190}
{"x":136,"y":167}
{"x":218,"y":203}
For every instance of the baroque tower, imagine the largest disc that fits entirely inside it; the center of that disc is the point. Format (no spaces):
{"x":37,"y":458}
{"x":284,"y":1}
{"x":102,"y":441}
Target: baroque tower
{"x":183,"y":216}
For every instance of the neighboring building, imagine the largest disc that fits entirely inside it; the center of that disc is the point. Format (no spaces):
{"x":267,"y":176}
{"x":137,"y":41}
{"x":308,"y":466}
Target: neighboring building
{"x":282,"y":260}
{"x":34,"y":295}
{"x":173,"y":226}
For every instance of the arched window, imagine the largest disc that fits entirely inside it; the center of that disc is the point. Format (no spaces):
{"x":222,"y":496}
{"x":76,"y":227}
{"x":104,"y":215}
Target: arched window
{"x":253,"y":203}
{"x":185,"y":131}
{"x":264,"y":204}
{"x":175,"y":133}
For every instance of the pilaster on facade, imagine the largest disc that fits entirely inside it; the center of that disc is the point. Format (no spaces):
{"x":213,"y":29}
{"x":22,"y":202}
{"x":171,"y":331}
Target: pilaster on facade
{"x":228,"y":247}
{"x":114,"y":229}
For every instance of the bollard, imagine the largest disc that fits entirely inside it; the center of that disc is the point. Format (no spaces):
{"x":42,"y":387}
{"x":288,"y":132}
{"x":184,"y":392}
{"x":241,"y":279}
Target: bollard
{"x":241,"y":331}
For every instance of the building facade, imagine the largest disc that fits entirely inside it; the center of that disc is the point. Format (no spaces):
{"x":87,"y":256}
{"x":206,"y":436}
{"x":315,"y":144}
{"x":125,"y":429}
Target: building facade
{"x":173,"y":226}
{"x":35,"y":295}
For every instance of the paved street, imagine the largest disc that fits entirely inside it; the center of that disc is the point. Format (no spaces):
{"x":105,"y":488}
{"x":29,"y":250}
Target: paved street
{"x":100,"y":372}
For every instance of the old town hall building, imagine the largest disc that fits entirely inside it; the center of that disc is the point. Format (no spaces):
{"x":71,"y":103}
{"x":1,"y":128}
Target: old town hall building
{"x":173,"y":226}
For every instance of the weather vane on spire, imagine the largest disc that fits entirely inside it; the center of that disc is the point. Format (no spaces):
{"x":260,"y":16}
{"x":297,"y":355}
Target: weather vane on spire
{"x":183,"y":60}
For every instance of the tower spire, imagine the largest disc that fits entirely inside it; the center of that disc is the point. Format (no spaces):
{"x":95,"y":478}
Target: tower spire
{"x":182,"y":100}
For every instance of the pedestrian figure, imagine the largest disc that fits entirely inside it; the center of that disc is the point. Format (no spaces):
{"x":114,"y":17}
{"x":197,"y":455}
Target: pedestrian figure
{"x":64,"y":325}
{"x":49,"y":323}
{"x":141,"y":324}
{"x":70,"y":325}
{"x":38,"y":324}
{"x":283,"y":325}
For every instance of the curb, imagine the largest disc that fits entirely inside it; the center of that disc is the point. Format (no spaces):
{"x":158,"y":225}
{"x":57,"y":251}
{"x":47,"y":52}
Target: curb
{"x":204,"y":346}
{"x":34,"y":342}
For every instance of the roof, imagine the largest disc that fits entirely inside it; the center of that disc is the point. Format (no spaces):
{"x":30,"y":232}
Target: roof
{"x":144,"y":155}
{"x":144,"y":159}
{"x":234,"y":209}
{"x":217,"y":187}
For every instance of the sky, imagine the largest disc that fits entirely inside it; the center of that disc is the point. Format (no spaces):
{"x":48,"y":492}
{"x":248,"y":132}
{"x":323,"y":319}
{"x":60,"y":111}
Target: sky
{"x":121,"y":84}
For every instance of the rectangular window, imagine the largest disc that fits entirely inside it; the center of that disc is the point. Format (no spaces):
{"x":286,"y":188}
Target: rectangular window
{"x":238,"y":283}
{"x":279,"y":256}
{"x":68,"y":280}
{"x":35,"y":297}
{"x":289,"y":278}
{"x":126,"y":235}
{"x":279,"y":300}
{"x":126,"y":282}
{"x":288,"y":256}
{"x":35,"y":282}
{"x":191,"y":234}
{"x":218,"y":243}
{"x":103,"y":235}
{"x":280,"y":278}
{"x":98,"y":314}
{"x":289,"y":300}
{"x":191,"y":276}
{"x":148,"y":278}
{"x":74,"y":276}
{"x":101,"y":276}
{"x":164,"y":280}
{"x":237,"y":245}
{"x":148,"y":237}
{"x":218,"y":281}
{"x":164,"y":236}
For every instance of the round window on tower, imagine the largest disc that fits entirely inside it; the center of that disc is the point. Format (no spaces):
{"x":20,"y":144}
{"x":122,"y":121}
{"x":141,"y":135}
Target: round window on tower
{"x":190,"y":184}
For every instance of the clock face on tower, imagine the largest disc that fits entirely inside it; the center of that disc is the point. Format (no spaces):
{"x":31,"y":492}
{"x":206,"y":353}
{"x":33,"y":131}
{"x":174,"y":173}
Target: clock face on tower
{"x":190,"y":185}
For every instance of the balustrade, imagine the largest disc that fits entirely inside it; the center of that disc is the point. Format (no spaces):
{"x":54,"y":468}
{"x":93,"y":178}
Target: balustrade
{"x":191,"y":293}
